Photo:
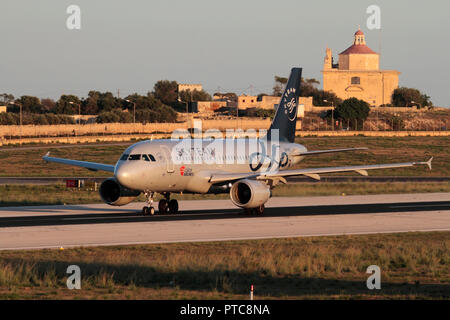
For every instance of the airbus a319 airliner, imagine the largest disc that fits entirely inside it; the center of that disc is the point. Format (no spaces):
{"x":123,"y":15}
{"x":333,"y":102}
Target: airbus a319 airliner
{"x":248,"y":168}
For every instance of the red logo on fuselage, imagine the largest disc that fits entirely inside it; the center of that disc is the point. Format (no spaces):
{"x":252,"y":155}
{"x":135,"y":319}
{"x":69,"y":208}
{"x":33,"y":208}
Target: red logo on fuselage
{"x":182,"y":170}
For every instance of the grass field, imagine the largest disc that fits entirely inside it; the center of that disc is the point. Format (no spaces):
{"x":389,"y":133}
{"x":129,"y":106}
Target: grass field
{"x":413,"y":266}
{"x":28,"y":162}
{"x":24,"y":195}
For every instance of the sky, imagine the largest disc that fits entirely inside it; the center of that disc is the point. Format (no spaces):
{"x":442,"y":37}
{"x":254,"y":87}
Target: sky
{"x":231,"y":46}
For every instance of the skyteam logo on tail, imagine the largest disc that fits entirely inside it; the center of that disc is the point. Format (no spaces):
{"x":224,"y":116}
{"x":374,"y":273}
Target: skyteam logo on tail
{"x":290,"y":104}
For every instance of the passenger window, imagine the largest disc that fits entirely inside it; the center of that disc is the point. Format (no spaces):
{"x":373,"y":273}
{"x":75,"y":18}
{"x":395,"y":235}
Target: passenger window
{"x":124,"y":157}
{"x":152,"y":157}
{"x":145,"y":157}
{"x":134,"y":157}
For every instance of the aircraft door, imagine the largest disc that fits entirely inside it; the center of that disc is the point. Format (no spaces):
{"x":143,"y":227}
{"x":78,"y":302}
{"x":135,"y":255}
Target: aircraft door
{"x":168,"y":158}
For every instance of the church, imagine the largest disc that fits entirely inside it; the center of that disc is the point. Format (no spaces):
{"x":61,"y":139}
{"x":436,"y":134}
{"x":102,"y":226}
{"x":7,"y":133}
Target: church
{"x":358,"y":74}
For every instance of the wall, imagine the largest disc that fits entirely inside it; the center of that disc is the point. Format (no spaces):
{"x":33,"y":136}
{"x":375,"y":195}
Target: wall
{"x":125,"y":128}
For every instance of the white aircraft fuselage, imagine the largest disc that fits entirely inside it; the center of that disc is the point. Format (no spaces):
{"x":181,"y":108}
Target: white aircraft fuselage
{"x":189,"y":171}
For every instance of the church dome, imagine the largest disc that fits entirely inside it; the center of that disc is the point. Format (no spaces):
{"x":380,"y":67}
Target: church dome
{"x":359,"y":45}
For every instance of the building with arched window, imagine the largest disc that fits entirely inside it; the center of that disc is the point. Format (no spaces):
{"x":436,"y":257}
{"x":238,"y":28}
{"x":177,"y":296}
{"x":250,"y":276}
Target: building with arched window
{"x":357,"y":74}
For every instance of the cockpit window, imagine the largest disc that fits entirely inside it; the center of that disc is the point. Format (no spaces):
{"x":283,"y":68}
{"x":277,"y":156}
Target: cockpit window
{"x":124,"y":157}
{"x":145,"y":157}
{"x":134,"y":157}
{"x":152,"y":157}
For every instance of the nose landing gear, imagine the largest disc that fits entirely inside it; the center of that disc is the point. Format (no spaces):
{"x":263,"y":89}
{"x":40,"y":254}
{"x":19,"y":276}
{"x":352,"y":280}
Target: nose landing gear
{"x":148,"y":209}
{"x":255,"y":211}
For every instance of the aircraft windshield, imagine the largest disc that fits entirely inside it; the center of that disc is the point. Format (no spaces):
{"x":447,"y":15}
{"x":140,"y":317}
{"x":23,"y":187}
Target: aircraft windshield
{"x":133,"y":157}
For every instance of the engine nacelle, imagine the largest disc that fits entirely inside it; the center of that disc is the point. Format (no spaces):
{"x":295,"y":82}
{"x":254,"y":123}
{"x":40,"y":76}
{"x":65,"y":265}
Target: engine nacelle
{"x":249,"y":193}
{"x":113,"y":193}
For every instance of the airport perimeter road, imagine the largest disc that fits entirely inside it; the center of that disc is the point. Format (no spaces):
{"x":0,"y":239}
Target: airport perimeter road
{"x":219,"y":220}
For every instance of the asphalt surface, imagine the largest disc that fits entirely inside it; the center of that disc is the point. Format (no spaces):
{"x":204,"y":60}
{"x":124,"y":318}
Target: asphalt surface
{"x":219,"y":220}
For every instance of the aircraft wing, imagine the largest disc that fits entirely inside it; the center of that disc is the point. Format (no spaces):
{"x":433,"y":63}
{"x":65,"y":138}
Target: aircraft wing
{"x":312,"y":173}
{"x":85,"y":164}
{"x":308,"y":153}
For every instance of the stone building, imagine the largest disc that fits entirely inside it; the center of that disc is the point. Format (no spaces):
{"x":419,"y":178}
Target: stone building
{"x":270,"y":102}
{"x":189,"y":86}
{"x":357,"y":74}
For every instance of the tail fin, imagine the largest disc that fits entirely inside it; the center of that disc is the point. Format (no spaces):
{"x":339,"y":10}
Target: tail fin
{"x":285,"y":119}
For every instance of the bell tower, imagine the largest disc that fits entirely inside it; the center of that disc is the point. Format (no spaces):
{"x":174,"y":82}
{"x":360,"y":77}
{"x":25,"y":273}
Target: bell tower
{"x":328,"y":61}
{"x":359,"y":37}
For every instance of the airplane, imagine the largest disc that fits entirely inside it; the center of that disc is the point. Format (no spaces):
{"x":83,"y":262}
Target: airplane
{"x":246,"y":168}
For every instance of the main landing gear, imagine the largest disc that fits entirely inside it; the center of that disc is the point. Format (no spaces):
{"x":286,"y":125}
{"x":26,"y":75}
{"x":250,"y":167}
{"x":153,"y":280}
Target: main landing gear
{"x":165,"y":205}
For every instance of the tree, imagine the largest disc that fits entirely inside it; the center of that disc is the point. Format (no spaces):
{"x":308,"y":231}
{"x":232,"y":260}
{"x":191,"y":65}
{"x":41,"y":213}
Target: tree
{"x":352,"y":111}
{"x":404,"y":97}
{"x":115,"y":115}
{"x":106,"y":101}
{"x":48,"y":105}
{"x":30,"y":104}
{"x":280,"y":83}
{"x":229,"y":96}
{"x":195,"y":95}
{"x":308,"y":89}
{"x":90,"y":104}
{"x":166,"y":91}
{"x":6,"y":98}
{"x":63,"y":105}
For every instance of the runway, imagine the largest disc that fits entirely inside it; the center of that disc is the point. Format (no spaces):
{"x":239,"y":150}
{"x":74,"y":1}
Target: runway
{"x":218,"y":220}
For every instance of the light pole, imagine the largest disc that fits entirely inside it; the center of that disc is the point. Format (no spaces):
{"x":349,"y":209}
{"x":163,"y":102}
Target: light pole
{"x":79,"y":110}
{"x":413,"y":102}
{"x":20,"y":116}
{"x":187,"y":111}
{"x":134,"y":109}
{"x":332,"y":113}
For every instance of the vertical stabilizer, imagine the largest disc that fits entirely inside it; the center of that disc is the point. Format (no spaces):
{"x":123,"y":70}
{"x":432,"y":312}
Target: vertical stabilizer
{"x":285,"y":119}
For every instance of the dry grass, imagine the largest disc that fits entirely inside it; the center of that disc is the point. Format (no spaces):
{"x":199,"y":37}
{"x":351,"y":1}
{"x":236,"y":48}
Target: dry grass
{"x":413,"y":265}
{"x":28,"y":162}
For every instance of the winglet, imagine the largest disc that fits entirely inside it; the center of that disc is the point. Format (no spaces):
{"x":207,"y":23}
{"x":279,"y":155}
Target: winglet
{"x":47,"y":154}
{"x":429,"y":162}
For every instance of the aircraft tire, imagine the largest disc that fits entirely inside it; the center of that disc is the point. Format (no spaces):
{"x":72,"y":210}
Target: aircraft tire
{"x":259,"y":210}
{"x":148,"y":211}
{"x":163,"y":206}
{"x":173,"y":206}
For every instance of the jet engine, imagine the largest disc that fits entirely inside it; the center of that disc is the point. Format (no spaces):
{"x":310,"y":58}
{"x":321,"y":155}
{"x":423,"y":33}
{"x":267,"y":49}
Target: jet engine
{"x":249,"y":193}
{"x":113,"y":193}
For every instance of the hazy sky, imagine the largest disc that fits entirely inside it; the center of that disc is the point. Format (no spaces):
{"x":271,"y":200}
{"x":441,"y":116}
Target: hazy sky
{"x":233,"y":44}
